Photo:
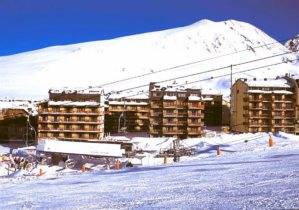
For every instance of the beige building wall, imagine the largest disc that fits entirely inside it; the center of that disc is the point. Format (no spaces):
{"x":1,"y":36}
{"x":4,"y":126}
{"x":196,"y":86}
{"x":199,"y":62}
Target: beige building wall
{"x":238,"y":103}
{"x":264,"y":106}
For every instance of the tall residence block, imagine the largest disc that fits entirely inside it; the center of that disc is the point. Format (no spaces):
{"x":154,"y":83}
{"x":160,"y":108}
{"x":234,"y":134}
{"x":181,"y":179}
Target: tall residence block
{"x":69,"y":114}
{"x":268,"y":105}
{"x":294,"y":82}
{"x":130,"y":114}
{"x":175,"y":112}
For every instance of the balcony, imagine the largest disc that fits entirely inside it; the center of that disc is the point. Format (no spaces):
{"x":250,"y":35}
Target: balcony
{"x":155,"y":114}
{"x":195,"y":107}
{"x":265,"y":116}
{"x":254,"y":116}
{"x":80,"y":139}
{"x":197,"y":115}
{"x":143,"y":109}
{"x":254,"y":99}
{"x":169,"y":105}
{"x":170,"y":132}
{"x":170,"y":123}
{"x":170,"y":114}
{"x":194,"y":123}
{"x":288,"y":116}
{"x":194,"y":132}
{"x":254,"y":125}
{"x":142,"y":116}
{"x":182,"y":123}
{"x":59,"y":130}
{"x":72,"y":113}
{"x":69,"y":122}
{"x":155,"y":122}
{"x":156,"y":105}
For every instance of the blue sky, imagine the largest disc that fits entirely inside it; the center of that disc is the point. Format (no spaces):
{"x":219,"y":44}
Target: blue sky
{"x":32,"y":24}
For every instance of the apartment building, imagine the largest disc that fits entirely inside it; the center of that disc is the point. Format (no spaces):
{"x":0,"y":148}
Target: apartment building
{"x":175,"y":112}
{"x":127,"y":114}
{"x":294,"y":82}
{"x":18,"y":122}
{"x":14,"y":126}
{"x":72,"y":114}
{"x":266,"y":105}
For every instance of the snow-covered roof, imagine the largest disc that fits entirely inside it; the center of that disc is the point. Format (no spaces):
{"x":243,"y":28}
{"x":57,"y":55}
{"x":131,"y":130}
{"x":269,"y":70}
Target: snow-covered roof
{"x":172,"y":98}
{"x":73,"y":103}
{"x":83,"y":148}
{"x":268,"y":83}
{"x":176,"y":89}
{"x":270,"y":92}
{"x":207,"y":99}
{"x":28,"y":106}
{"x":127,"y":103}
{"x":194,"y":98}
{"x":282,"y":92}
{"x":77,"y":90}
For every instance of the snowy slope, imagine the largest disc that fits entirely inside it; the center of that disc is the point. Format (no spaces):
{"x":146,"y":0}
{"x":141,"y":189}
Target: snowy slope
{"x":246,"y":176}
{"x":31,"y":74}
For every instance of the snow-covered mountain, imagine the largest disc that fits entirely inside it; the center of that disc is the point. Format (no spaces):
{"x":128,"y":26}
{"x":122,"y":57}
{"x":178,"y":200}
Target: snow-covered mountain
{"x":31,"y":74}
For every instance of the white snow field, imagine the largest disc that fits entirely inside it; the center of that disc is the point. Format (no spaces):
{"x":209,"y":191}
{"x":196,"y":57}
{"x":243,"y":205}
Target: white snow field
{"x":30,"y":75}
{"x":246,"y":176}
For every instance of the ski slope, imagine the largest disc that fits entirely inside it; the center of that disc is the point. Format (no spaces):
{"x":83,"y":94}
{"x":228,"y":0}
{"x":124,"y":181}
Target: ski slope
{"x":246,"y":176}
{"x":29,"y":75}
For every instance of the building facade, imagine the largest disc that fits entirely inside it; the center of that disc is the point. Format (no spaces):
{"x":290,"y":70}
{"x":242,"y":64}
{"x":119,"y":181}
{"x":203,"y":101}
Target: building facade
{"x":14,"y":126}
{"x":175,"y":112}
{"x":212,"y":101}
{"x":294,"y":82}
{"x":72,"y":115}
{"x":267,"y":105}
{"x":127,"y":114}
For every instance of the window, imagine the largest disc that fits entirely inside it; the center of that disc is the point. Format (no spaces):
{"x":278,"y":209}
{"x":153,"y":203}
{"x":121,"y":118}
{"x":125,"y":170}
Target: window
{"x":169,"y":112}
{"x":194,"y":121}
{"x":170,"y":94}
{"x":181,"y":95}
{"x":67,"y":135}
{"x":169,"y":120}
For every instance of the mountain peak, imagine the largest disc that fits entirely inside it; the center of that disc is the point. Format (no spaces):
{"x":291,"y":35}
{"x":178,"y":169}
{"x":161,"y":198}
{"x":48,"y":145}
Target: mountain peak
{"x":98,"y":62}
{"x":203,"y":22}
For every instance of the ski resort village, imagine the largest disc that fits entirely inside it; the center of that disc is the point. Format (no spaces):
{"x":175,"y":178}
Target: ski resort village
{"x":204,"y":116}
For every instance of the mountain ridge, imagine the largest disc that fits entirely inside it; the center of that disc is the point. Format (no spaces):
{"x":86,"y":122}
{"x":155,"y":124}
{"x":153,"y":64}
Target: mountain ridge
{"x":31,"y":74}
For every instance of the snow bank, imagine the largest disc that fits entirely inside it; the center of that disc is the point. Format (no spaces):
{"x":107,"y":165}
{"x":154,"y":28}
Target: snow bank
{"x":4,"y":150}
{"x":152,"y":144}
